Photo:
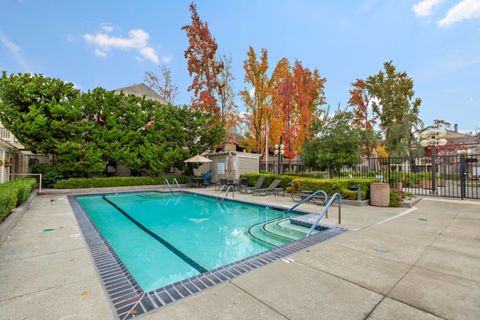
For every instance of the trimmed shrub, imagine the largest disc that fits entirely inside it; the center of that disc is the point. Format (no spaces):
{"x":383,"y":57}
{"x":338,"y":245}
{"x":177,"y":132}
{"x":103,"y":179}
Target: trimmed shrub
{"x":50,"y":174}
{"x":396,"y":197}
{"x":76,"y":183}
{"x":269,"y":177}
{"x":14,"y":193}
{"x":331,"y":186}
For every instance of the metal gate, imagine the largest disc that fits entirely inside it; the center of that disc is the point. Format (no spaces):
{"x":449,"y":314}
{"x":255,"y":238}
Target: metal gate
{"x":456,"y":176}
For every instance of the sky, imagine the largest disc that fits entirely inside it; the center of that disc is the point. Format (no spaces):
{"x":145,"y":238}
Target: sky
{"x":111,"y":43}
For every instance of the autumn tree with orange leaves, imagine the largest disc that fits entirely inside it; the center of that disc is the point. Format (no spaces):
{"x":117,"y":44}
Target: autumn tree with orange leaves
{"x":285,"y":101}
{"x":298,"y":94}
{"x":202,"y":64}
{"x":256,"y":99}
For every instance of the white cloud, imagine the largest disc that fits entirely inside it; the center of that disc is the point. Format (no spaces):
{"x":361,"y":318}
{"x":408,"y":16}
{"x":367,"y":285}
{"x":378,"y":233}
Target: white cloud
{"x":464,"y":10}
{"x":425,"y":8}
{"x":137,"y":39}
{"x":100,"y":53}
{"x":167,"y":59}
{"x":107,"y":27}
{"x":150,"y":54}
{"x":15,"y":51}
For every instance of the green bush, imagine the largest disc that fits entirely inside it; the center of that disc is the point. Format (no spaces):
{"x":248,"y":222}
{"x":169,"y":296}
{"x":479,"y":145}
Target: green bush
{"x":396,"y":197}
{"x":14,"y":193}
{"x":75,"y":183}
{"x":331,"y":186}
{"x":269,"y":177}
{"x":50,"y":174}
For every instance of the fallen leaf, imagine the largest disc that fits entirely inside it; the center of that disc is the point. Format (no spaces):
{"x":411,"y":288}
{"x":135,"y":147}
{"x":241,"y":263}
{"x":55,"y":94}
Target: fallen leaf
{"x":84,"y":293}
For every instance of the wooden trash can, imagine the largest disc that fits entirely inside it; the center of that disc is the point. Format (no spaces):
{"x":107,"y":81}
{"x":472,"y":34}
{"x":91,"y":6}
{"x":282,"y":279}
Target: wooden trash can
{"x":380,"y":194}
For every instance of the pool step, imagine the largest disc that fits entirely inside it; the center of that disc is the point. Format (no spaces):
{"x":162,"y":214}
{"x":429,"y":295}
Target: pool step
{"x":259,"y":234}
{"x":277,"y":232}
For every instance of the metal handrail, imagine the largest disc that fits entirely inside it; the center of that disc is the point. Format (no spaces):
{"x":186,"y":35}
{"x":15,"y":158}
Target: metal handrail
{"x":168,"y":184}
{"x":325,"y":195}
{"x":322,"y":213}
{"x":178,"y":185}
{"x":224,"y":186}
{"x":228,"y":190}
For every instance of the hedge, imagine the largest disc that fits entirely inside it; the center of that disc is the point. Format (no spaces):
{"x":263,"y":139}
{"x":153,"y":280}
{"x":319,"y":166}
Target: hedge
{"x":269,"y":177}
{"x":76,"y":183}
{"x":14,"y":193}
{"x":330,"y":186}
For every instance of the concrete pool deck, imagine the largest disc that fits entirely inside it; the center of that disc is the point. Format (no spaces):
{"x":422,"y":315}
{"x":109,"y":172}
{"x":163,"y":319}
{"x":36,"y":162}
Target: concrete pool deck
{"x":424,"y":264}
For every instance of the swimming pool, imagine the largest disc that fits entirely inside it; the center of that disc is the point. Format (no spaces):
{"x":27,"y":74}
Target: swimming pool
{"x":189,"y":240}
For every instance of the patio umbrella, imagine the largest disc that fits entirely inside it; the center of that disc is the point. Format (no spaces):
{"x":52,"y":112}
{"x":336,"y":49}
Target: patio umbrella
{"x":198,"y":159}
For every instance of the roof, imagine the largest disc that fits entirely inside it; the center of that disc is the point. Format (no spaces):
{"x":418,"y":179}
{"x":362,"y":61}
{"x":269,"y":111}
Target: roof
{"x":454,"y":137}
{"x":142,"y":90}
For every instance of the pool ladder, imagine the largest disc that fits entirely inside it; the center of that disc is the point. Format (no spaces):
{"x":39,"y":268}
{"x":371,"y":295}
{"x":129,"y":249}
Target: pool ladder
{"x":324,"y":212}
{"x":170,"y":186}
{"x":228,"y":189}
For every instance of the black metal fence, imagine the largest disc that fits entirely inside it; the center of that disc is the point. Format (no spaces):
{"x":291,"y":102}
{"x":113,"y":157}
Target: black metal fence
{"x":456,"y":176}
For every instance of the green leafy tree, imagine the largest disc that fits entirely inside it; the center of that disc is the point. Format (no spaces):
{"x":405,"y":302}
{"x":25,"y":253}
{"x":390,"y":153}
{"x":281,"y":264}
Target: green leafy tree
{"x":87,"y":131}
{"x":335,"y":144}
{"x":392,"y":96}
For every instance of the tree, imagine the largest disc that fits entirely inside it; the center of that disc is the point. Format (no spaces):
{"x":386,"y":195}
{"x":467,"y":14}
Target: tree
{"x":162,"y":84}
{"x":38,"y":110}
{"x":202,"y":64}
{"x":360,"y":101}
{"x":296,"y":97}
{"x":395,"y":106}
{"x":308,"y":94}
{"x":256,"y":99}
{"x":228,"y":107}
{"x":85,"y":132}
{"x":335,"y":144}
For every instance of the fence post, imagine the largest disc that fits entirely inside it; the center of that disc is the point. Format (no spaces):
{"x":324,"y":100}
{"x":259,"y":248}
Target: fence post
{"x":434,"y":170}
{"x":463,"y":175}
{"x":388,"y":170}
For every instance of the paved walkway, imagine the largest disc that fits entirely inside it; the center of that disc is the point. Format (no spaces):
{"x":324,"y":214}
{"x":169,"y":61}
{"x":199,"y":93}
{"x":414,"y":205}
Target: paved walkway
{"x":421,"y":265}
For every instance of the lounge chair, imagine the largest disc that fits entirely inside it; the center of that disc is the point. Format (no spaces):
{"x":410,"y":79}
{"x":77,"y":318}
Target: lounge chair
{"x":257,"y":185}
{"x":270,"y":189}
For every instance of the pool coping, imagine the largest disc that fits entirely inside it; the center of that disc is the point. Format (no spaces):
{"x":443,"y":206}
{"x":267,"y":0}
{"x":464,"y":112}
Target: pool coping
{"x":128,"y":299}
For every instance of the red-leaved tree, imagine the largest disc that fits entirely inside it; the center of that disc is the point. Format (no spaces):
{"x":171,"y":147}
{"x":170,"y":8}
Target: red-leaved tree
{"x":202,"y":64}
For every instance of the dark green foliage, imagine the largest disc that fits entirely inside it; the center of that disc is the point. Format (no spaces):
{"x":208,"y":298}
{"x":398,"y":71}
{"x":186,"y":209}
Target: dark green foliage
{"x":396,"y":197}
{"x":331,"y":186}
{"x":253,"y":177}
{"x":335,"y":145}
{"x":75,"y":183}
{"x":87,"y":131}
{"x":50,"y":174}
{"x":14,"y":193}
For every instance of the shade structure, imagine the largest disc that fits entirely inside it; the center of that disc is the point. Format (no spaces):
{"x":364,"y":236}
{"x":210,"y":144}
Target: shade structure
{"x":198,"y":159}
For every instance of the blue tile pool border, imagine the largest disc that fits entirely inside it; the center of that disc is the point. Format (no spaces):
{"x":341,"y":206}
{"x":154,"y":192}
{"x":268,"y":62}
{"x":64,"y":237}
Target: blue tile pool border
{"x":127,"y":297}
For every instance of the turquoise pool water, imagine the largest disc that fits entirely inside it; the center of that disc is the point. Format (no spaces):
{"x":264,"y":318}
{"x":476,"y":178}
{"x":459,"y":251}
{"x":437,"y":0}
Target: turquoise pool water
{"x":163,"y":238}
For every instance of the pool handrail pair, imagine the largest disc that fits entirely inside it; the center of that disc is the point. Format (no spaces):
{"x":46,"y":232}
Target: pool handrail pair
{"x":325,"y":195}
{"x":170,"y":187}
{"x":324,"y":212}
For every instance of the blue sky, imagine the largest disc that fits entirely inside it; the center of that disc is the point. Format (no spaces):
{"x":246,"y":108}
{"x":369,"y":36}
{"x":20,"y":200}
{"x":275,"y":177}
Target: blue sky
{"x":112,"y":43}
